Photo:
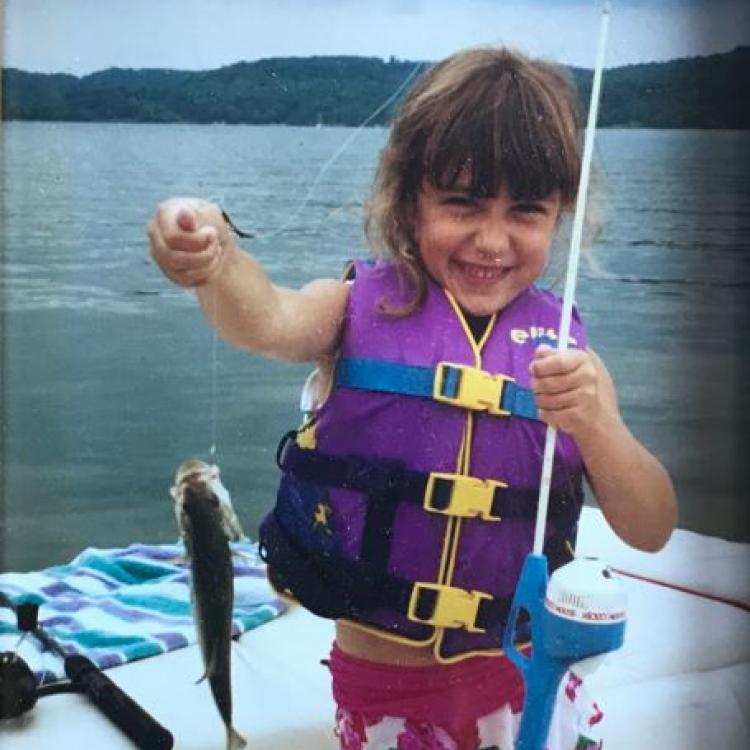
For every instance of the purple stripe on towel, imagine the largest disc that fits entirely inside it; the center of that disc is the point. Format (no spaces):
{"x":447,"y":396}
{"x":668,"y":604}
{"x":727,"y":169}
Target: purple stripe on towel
{"x":71,"y":571}
{"x":107,"y":660}
{"x":58,"y":588}
{"x":250,"y":572}
{"x":107,"y":582}
{"x":66,"y":605}
{"x":172,"y":640}
{"x":129,"y":615}
{"x":69,"y":623}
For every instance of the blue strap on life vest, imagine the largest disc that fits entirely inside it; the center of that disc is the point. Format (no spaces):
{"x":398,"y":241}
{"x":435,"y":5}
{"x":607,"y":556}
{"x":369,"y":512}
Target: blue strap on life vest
{"x":414,"y":380}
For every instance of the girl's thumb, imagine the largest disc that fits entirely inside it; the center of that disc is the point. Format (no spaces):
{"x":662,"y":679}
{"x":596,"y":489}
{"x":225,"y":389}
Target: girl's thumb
{"x":186,"y":220}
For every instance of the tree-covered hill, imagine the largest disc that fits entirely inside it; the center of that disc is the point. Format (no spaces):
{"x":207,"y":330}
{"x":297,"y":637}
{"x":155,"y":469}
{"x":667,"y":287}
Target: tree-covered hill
{"x":700,"y":92}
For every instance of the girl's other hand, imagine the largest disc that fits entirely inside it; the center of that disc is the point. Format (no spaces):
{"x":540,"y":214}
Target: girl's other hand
{"x":575,"y":393}
{"x":572,"y":389}
{"x":189,"y":240}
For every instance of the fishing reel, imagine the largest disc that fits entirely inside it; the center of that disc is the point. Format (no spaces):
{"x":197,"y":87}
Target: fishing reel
{"x":577,"y":616}
{"x":18,"y":687}
{"x":19,"y":692}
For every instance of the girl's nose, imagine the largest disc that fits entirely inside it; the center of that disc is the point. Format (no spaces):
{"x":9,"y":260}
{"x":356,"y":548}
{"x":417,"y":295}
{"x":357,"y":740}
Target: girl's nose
{"x":492,"y":239}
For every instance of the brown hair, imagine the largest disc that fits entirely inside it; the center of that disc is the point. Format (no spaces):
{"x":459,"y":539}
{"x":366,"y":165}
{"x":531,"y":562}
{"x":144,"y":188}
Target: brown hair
{"x":511,"y":120}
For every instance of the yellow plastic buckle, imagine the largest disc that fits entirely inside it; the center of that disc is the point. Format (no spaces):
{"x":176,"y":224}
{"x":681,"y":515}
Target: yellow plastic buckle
{"x":469,"y":497}
{"x":477,"y":389}
{"x":454,"y":607}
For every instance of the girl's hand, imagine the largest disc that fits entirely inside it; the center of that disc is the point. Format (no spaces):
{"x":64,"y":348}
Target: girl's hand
{"x":575,"y":393}
{"x":572,"y":389}
{"x":189,"y":240}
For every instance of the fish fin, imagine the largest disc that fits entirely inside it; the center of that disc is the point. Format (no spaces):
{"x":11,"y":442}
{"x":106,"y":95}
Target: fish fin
{"x":210,"y":669}
{"x":237,"y":532}
{"x":231,"y":523}
{"x":234,"y":739}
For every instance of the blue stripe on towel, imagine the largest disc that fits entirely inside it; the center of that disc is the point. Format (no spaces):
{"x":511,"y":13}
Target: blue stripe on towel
{"x":149,"y":606}
{"x":119,"y":605}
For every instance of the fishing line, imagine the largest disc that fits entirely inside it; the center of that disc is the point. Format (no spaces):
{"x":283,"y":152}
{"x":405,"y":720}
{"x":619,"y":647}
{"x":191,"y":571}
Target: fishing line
{"x":340,"y":150}
{"x":729,"y":601}
{"x":214,"y":418}
{"x":295,"y":214}
{"x":302,"y":205}
{"x":572,"y":271}
{"x":214,"y":374}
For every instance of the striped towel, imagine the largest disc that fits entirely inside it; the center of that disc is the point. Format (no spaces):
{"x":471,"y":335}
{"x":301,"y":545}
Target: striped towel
{"x":118,"y":605}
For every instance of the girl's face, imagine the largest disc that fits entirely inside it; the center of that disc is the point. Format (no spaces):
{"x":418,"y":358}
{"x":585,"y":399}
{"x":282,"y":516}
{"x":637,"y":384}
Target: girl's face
{"x":484,"y":251}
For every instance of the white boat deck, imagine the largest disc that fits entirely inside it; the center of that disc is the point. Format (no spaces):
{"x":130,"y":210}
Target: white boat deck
{"x":681,"y":681}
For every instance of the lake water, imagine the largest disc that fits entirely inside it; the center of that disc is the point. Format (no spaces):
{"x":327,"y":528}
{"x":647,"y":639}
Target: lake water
{"x":109,"y":378}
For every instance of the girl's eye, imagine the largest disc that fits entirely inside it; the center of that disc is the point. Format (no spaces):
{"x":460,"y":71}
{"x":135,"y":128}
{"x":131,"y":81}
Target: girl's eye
{"x":531,"y":208}
{"x":460,"y":201}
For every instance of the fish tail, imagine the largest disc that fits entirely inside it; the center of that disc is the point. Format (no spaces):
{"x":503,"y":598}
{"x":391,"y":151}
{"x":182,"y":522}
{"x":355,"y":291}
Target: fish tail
{"x":234,"y":739}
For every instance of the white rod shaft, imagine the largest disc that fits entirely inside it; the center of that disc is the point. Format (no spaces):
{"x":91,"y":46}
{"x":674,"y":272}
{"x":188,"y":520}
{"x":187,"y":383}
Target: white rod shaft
{"x":572,"y":271}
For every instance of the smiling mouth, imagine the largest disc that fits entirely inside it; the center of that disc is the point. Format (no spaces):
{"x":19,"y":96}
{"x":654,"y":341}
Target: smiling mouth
{"x":482,"y":274}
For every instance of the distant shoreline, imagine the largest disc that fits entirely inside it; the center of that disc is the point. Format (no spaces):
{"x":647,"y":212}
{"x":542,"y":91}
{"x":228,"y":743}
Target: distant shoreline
{"x":702,"y":93}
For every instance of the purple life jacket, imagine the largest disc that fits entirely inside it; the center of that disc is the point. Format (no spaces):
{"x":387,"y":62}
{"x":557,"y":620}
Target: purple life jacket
{"x":414,"y":510}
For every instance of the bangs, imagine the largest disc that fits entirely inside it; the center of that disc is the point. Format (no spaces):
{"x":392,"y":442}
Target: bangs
{"x":502,"y":134}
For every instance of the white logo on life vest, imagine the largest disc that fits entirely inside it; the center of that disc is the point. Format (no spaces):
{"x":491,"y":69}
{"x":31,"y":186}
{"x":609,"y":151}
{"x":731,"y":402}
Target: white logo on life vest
{"x":536,"y":334}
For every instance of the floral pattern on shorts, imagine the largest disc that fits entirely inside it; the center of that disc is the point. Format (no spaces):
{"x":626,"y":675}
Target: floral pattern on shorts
{"x":356,"y":732}
{"x":424,"y":736}
{"x":576,"y":726}
{"x":351,"y":729}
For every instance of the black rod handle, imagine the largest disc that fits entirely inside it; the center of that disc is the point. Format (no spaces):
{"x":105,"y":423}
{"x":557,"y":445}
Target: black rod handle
{"x":117,"y":706}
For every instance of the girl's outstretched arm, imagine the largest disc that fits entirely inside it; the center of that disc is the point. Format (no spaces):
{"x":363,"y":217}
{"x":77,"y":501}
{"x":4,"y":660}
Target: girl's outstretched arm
{"x":575,"y":393}
{"x":193,"y":246}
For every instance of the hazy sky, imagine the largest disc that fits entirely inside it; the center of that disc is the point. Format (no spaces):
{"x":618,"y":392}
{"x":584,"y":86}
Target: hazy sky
{"x":80,"y":36}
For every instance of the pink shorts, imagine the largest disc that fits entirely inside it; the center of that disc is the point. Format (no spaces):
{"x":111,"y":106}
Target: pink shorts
{"x":474,"y":704}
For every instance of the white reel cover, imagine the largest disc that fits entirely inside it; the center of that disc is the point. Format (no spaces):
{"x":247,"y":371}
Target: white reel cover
{"x":586,"y":590}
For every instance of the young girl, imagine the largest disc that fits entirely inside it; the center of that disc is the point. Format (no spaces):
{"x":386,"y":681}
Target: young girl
{"x":407,"y":501}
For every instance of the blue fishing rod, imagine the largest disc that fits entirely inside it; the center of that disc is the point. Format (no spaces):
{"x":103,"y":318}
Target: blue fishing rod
{"x":579,"y":613}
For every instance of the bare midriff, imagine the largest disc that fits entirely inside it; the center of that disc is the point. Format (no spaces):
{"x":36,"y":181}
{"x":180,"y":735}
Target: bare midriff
{"x":354,"y":641}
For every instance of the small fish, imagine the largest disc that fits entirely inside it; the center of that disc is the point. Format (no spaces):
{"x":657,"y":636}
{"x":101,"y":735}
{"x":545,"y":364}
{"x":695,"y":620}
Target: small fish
{"x":207,"y":523}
